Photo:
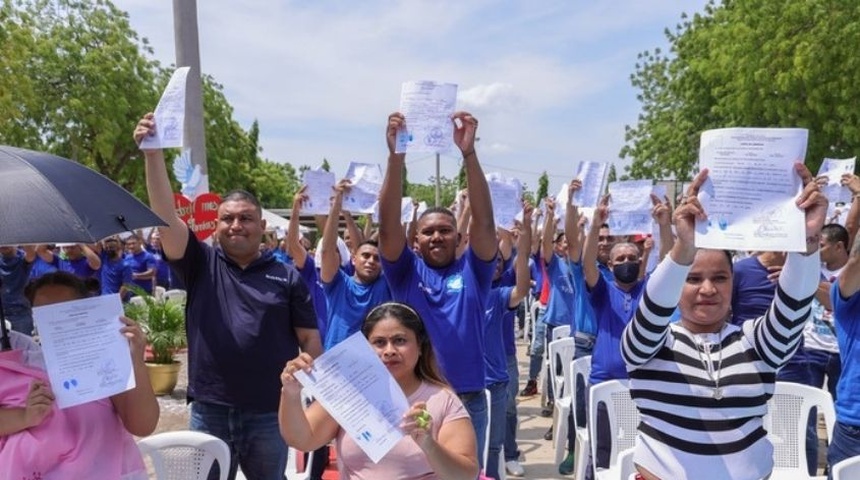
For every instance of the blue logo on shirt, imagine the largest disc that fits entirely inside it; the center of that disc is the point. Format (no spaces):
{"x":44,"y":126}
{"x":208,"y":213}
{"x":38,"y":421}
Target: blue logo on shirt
{"x":454,"y":283}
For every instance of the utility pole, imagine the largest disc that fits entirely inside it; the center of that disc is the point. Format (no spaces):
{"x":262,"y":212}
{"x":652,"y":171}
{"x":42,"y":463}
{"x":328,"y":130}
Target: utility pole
{"x":438,"y":183}
{"x":187,"y":46}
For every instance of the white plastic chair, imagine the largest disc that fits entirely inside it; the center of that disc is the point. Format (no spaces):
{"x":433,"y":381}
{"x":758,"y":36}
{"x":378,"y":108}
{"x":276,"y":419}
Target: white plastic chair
{"x":561,"y":353}
{"x":158,"y":292}
{"x":486,"y":452}
{"x":623,"y":423}
{"x":137,"y":301}
{"x":848,"y":469}
{"x":580,"y":370}
{"x":561,"y":331}
{"x":175,"y":295}
{"x":785,"y":422}
{"x":185,"y":455}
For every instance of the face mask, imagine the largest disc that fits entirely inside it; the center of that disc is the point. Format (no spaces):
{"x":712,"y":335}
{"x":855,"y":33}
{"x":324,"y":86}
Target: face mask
{"x":626,"y":272}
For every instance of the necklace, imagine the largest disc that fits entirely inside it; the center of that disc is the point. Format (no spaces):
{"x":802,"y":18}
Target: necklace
{"x":713,"y":374}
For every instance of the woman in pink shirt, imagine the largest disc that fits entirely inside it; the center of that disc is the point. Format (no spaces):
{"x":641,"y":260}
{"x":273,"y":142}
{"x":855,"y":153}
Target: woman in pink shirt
{"x":444,"y":447}
{"x":91,"y":440}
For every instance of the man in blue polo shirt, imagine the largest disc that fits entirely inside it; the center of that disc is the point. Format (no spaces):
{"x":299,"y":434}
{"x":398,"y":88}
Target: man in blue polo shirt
{"x":142,"y":263}
{"x":246,"y":315}
{"x":447,"y":291}
{"x":81,"y":260}
{"x":115,"y":274}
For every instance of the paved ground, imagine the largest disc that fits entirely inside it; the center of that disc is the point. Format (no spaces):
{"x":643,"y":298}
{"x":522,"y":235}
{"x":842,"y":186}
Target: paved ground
{"x":537,"y":452}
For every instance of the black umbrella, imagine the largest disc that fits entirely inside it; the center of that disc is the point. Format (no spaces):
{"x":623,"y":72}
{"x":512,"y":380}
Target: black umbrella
{"x":48,"y":199}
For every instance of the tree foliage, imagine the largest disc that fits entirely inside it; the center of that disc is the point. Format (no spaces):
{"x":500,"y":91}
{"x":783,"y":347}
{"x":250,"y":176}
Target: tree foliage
{"x":748,"y":63}
{"x":543,"y":186}
{"x":74,"y":80}
{"x":427,"y":192}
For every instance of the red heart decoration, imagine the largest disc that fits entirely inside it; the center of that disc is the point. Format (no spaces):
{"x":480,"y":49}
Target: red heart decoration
{"x":201,"y":215}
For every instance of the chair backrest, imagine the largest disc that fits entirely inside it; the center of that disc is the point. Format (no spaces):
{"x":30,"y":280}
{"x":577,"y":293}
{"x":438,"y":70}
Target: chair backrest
{"x":158,"y":292}
{"x":137,"y":301}
{"x":561,"y":331}
{"x":185,"y":455}
{"x":175,"y":295}
{"x":785,"y":422}
{"x":561,"y":353}
{"x":847,"y":469}
{"x":623,"y":416}
{"x":486,"y":452}
{"x":580,"y":370}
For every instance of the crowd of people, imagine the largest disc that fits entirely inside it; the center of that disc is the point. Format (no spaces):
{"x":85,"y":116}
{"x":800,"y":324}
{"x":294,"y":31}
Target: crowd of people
{"x":701,"y":335}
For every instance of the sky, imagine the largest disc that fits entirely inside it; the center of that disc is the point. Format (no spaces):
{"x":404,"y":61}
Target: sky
{"x":549,"y":80}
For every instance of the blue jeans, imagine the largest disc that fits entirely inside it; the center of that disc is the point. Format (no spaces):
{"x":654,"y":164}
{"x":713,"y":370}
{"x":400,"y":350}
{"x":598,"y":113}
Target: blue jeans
{"x":512,"y":451}
{"x":476,"y":405}
{"x":845,"y":444}
{"x":498,"y":404}
{"x":254,"y":439}
{"x":537,"y":348}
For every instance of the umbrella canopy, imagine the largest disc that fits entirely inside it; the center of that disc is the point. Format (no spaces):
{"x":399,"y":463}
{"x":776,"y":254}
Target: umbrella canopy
{"x":48,"y":199}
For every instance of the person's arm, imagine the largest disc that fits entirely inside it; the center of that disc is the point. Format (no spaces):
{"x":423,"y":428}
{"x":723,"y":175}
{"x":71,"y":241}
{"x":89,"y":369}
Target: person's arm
{"x":93,"y":259}
{"x":137,"y":408}
{"x":29,"y":253}
{"x":571,"y":223}
{"x":662,"y":214}
{"x":328,"y":247}
{"x":368,"y":228}
{"x":548,"y":231}
{"x":647,"y":246}
{"x":536,"y":233}
{"x":391,"y":239}
{"x":304,"y":429}
{"x":852,"y":221}
{"x":309,"y":341}
{"x":521,"y":263}
{"x":39,"y":403}
{"x":463,"y":228}
{"x":453,"y":455}
{"x":589,"y":253}
{"x":174,"y":237}
{"x":849,"y":279}
{"x":147,"y":274}
{"x":46,"y":255}
{"x":506,"y":244}
{"x":412,"y":226}
{"x":482,"y":228}
{"x":822,"y":294}
{"x":294,"y":244}
{"x":354,"y":233}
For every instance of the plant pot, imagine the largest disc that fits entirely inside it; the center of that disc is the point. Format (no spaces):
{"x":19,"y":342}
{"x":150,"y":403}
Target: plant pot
{"x":163,"y":377}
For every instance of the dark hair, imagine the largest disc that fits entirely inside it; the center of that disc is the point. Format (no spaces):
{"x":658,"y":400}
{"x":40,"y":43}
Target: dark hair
{"x":833,"y":232}
{"x":440,"y":210}
{"x":243,"y":196}
{"x":426,"y":369}
{"x":372,"y":243}
{"x":59,"y":279}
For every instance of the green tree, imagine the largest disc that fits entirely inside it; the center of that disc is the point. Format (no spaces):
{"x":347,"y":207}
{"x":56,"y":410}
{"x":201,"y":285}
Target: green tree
{"x":325,"y":166}
{"x":755,"y":63}
{"x":427,"y":192}
{"x":543,"y":186}
{"x":461,"y":177}
{"x":612,"y":176}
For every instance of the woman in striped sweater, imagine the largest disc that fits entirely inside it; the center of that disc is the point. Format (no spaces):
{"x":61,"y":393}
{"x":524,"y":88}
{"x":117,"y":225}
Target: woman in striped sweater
{"x":701,"y":385}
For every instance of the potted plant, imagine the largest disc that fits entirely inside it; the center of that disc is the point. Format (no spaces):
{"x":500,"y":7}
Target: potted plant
{"x":164,"y":325}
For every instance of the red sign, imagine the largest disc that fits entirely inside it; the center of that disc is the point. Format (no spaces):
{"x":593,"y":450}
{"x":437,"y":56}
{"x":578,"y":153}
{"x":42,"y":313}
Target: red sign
{"x":201,"y":215}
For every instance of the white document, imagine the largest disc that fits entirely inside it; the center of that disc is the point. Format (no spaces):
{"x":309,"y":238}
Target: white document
{"x":406,"y":209}
{"x":356,"y":389}
{"x":593,"y":177}
{"x":87,"y":357}
{"x":366,"y":181}
{"x":320,"y":190}
{"x":630,"y":207}
{"x":833,"y":169}
{"x":428,"y":107}
{"x":169,"y":114}
{"x":506,"y":195}
{"x":751,"y":189}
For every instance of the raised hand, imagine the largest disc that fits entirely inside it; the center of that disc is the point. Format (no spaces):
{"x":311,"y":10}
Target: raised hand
{"x":396,"y":122}
{"x":145,"y":127}
{"x":465,"y":133}
{"x":40,"y":400}
{"x":289,"y":384}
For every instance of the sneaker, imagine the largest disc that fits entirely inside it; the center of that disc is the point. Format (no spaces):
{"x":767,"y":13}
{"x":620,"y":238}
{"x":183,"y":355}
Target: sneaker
{"x":566,"y":467}
{"x":530,"y":390}
{"x":548,"y":435}
{"x":547,"y":410}
{"x":514,"y":469}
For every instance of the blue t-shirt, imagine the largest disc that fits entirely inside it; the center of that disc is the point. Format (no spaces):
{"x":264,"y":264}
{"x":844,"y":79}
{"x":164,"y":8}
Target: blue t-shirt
{"x":162,"y":268}
{"x":752,"y":292}
{"x":79,"y":266}
{"x":282,"y":256}
{"x":310,"y":275}
{"x":451,"y":301}
{"x":348,"y":303}
{"x":114,"y":274}
{"x":139,"y":263}
{"x":583,"y":320}
{"x":559,"y":306}
{"x":15,"y":273}
{"x":613,"y":309}
{"x":846,"y":311}
{"x":497,"y":320}
{"x":241,"y":326}
{"x":40,"y":267}
{"x":536,"y":273}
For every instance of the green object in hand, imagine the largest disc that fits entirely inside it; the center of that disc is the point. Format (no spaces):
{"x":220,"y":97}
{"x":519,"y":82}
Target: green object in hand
{"x":423,"y":419}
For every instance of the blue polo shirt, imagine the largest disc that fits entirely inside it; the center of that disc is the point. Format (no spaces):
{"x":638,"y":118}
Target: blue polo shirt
{"x":40,"y":267}
{"x":451,"y":301}
{"x":114,"y":274}
{"x":80,"y":267}
{"x":15,"y":272}
{"x":498,"y":318}
{"x":162,"y":268}
{"x":310,"y":275}
{"x":559,"y":306}
{"x":583,"y":320}
{"x":613,"y":309}
{"x":348,"y":303}
{"x":139,"y":263}
{"x":241,"y":326}
{"x":752,"y":291}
